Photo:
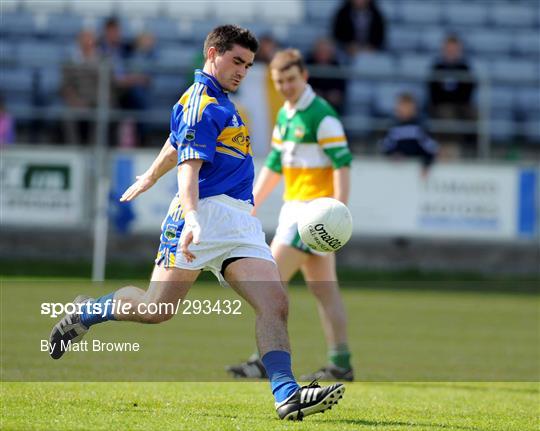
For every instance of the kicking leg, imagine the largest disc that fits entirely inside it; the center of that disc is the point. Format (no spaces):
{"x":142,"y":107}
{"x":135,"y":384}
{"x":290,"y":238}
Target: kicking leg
{"x":167,"y":287}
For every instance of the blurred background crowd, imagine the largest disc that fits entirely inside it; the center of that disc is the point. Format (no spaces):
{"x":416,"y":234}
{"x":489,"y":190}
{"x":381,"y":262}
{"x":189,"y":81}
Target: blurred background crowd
{"x":465,"y":72}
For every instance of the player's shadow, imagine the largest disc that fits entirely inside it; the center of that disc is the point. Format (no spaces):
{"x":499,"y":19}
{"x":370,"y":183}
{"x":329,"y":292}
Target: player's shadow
{"x":409,"y":425}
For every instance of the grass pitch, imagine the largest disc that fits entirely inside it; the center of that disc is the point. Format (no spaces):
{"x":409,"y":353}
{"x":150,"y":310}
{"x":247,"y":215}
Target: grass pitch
{"x":248,"y":406}
{"x":426,"y":360}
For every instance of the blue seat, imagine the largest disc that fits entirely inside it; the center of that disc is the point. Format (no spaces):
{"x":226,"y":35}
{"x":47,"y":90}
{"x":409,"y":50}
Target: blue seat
{"x":322,"y":10}
{"x":375,"y":64}
{"x":390,"y":9}
{"x":63,"y":26}
{"x":486,"y":41}
{"x":528,"y":99}
{"x":37,"y":53}
{"x":164,"y":29}
{"x":305,"y":36}
{"x":421,"y":12}
{"x":431,"y":38}
{"x":16,"y":80}
{"x":514,"y":69}
{"x":503,"y":97}
{"x":514,"y":14}
{"x":49,"y":81}
{"x":465,"y":13}
{"x":18,"y":24}
{"x":532,"y":130}
{"x":177,"y":55}
{"x":415,"y":65}
{"x":404,"y":38}
{"x":502,"y":129}
{"x":526,"y":42}
{"x":359,"y":95}
{"x":385,"y":96}
{"x":7,"y":51}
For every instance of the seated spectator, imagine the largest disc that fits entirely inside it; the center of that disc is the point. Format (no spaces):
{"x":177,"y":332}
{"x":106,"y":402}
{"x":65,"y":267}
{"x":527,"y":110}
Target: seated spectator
{"x":449,"y":96}
{"x":332,"y":89}
{"x":119,"y":53}
{"x":267,"y":48}
{"x":7,"y":126}
{"x":359,"y":26}
{"x":130,"y":81}
{"x":79,"y":88}
{"x":407,"y":137}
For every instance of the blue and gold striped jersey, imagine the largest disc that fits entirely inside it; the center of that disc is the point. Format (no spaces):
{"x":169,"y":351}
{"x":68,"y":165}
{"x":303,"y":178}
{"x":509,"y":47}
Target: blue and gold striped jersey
{"x":206,"y":125}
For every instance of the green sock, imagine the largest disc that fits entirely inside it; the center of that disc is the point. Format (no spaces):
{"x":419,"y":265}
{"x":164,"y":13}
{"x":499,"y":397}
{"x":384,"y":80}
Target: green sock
{"x":340,"y":356}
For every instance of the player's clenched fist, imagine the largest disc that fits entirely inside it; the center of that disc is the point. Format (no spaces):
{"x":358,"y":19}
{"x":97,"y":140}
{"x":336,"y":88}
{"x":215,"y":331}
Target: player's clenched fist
{"x":192,"y":233}
{"x":143,"y":183}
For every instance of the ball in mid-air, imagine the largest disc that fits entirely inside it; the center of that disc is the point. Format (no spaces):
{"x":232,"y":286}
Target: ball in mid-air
{"x":325,"y":224}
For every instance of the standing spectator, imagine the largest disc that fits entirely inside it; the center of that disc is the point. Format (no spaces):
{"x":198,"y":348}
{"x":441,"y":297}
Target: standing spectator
{"x":449,"y":96}
{"x":130,"y":84}
{"x":267,"y":48}
{"x":359,"y":26}
{"x":407,"y":137}
{"x":7,"y":126}
{"x":79,"y":88}
{"x":331,"y":89}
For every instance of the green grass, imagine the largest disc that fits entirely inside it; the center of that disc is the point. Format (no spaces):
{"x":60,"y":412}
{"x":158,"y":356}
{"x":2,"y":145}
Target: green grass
{"x":426,"y":360}
{"x":248,"y":406}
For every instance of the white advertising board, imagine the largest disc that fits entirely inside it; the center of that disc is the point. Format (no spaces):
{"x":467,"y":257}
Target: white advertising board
{"x":466,"y":201}
{"x":42,"y":187}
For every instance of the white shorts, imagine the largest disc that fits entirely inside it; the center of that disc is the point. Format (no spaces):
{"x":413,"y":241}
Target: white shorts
{"x":287,"y":230}
{"x":228,"y":230}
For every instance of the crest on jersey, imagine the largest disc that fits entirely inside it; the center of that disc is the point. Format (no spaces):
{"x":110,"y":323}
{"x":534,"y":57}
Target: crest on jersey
{"x":170,"y":231}
{"x":235,"y":122}
{"x":299,"y":132}
{"x":190,"y":135}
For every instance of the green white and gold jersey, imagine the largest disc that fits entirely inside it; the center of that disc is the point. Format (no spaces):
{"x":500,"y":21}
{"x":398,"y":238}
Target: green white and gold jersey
{"x":308,"y":143}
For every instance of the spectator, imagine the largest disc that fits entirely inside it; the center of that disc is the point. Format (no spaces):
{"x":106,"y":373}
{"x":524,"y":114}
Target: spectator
{"x":331,"y":89}
{"x":79,"y":88}
{"x":267,"y":48}
{"x":119,"y":53}
{"x":359,"y":26}
{"x":7,"y":126}
{"x":408,"y":138}
{"x":130,"y":81}
{"x":449,"y":97}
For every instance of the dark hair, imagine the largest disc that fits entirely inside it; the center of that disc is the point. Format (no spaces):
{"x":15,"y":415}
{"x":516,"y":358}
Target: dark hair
{"x":407,"y":98}
{"x":225,"y":36}
{"x":452,"y":38}
{"x":111,"y":21}
{"x":287,"y":58}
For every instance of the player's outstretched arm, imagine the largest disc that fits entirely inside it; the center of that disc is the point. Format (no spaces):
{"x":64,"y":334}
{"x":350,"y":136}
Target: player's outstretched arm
{"x":188,"y":192}
{"x":164,"y":162}
{"x":342,"y":184}
{"x":266,"y":182}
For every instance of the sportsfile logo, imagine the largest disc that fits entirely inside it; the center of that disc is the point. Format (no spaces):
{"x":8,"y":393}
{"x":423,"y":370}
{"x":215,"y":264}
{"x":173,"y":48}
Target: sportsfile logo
{"x":323,"y":238}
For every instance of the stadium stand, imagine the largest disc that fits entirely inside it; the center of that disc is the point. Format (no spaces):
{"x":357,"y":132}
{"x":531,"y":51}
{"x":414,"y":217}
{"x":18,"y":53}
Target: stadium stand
{"x":501,"y":40}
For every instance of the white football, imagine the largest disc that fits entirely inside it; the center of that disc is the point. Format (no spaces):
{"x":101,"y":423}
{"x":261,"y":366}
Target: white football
{"x":325,"y":224}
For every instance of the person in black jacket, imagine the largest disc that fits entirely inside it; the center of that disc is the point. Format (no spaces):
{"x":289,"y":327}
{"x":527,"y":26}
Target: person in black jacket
{"x":450,"y":96}
{"x":359,"y":26}
{"x":331,"y":89}
{"x":407,"y":137}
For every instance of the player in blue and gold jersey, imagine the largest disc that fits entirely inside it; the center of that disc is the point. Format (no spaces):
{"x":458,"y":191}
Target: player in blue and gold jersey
{"x":209,"y":225}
